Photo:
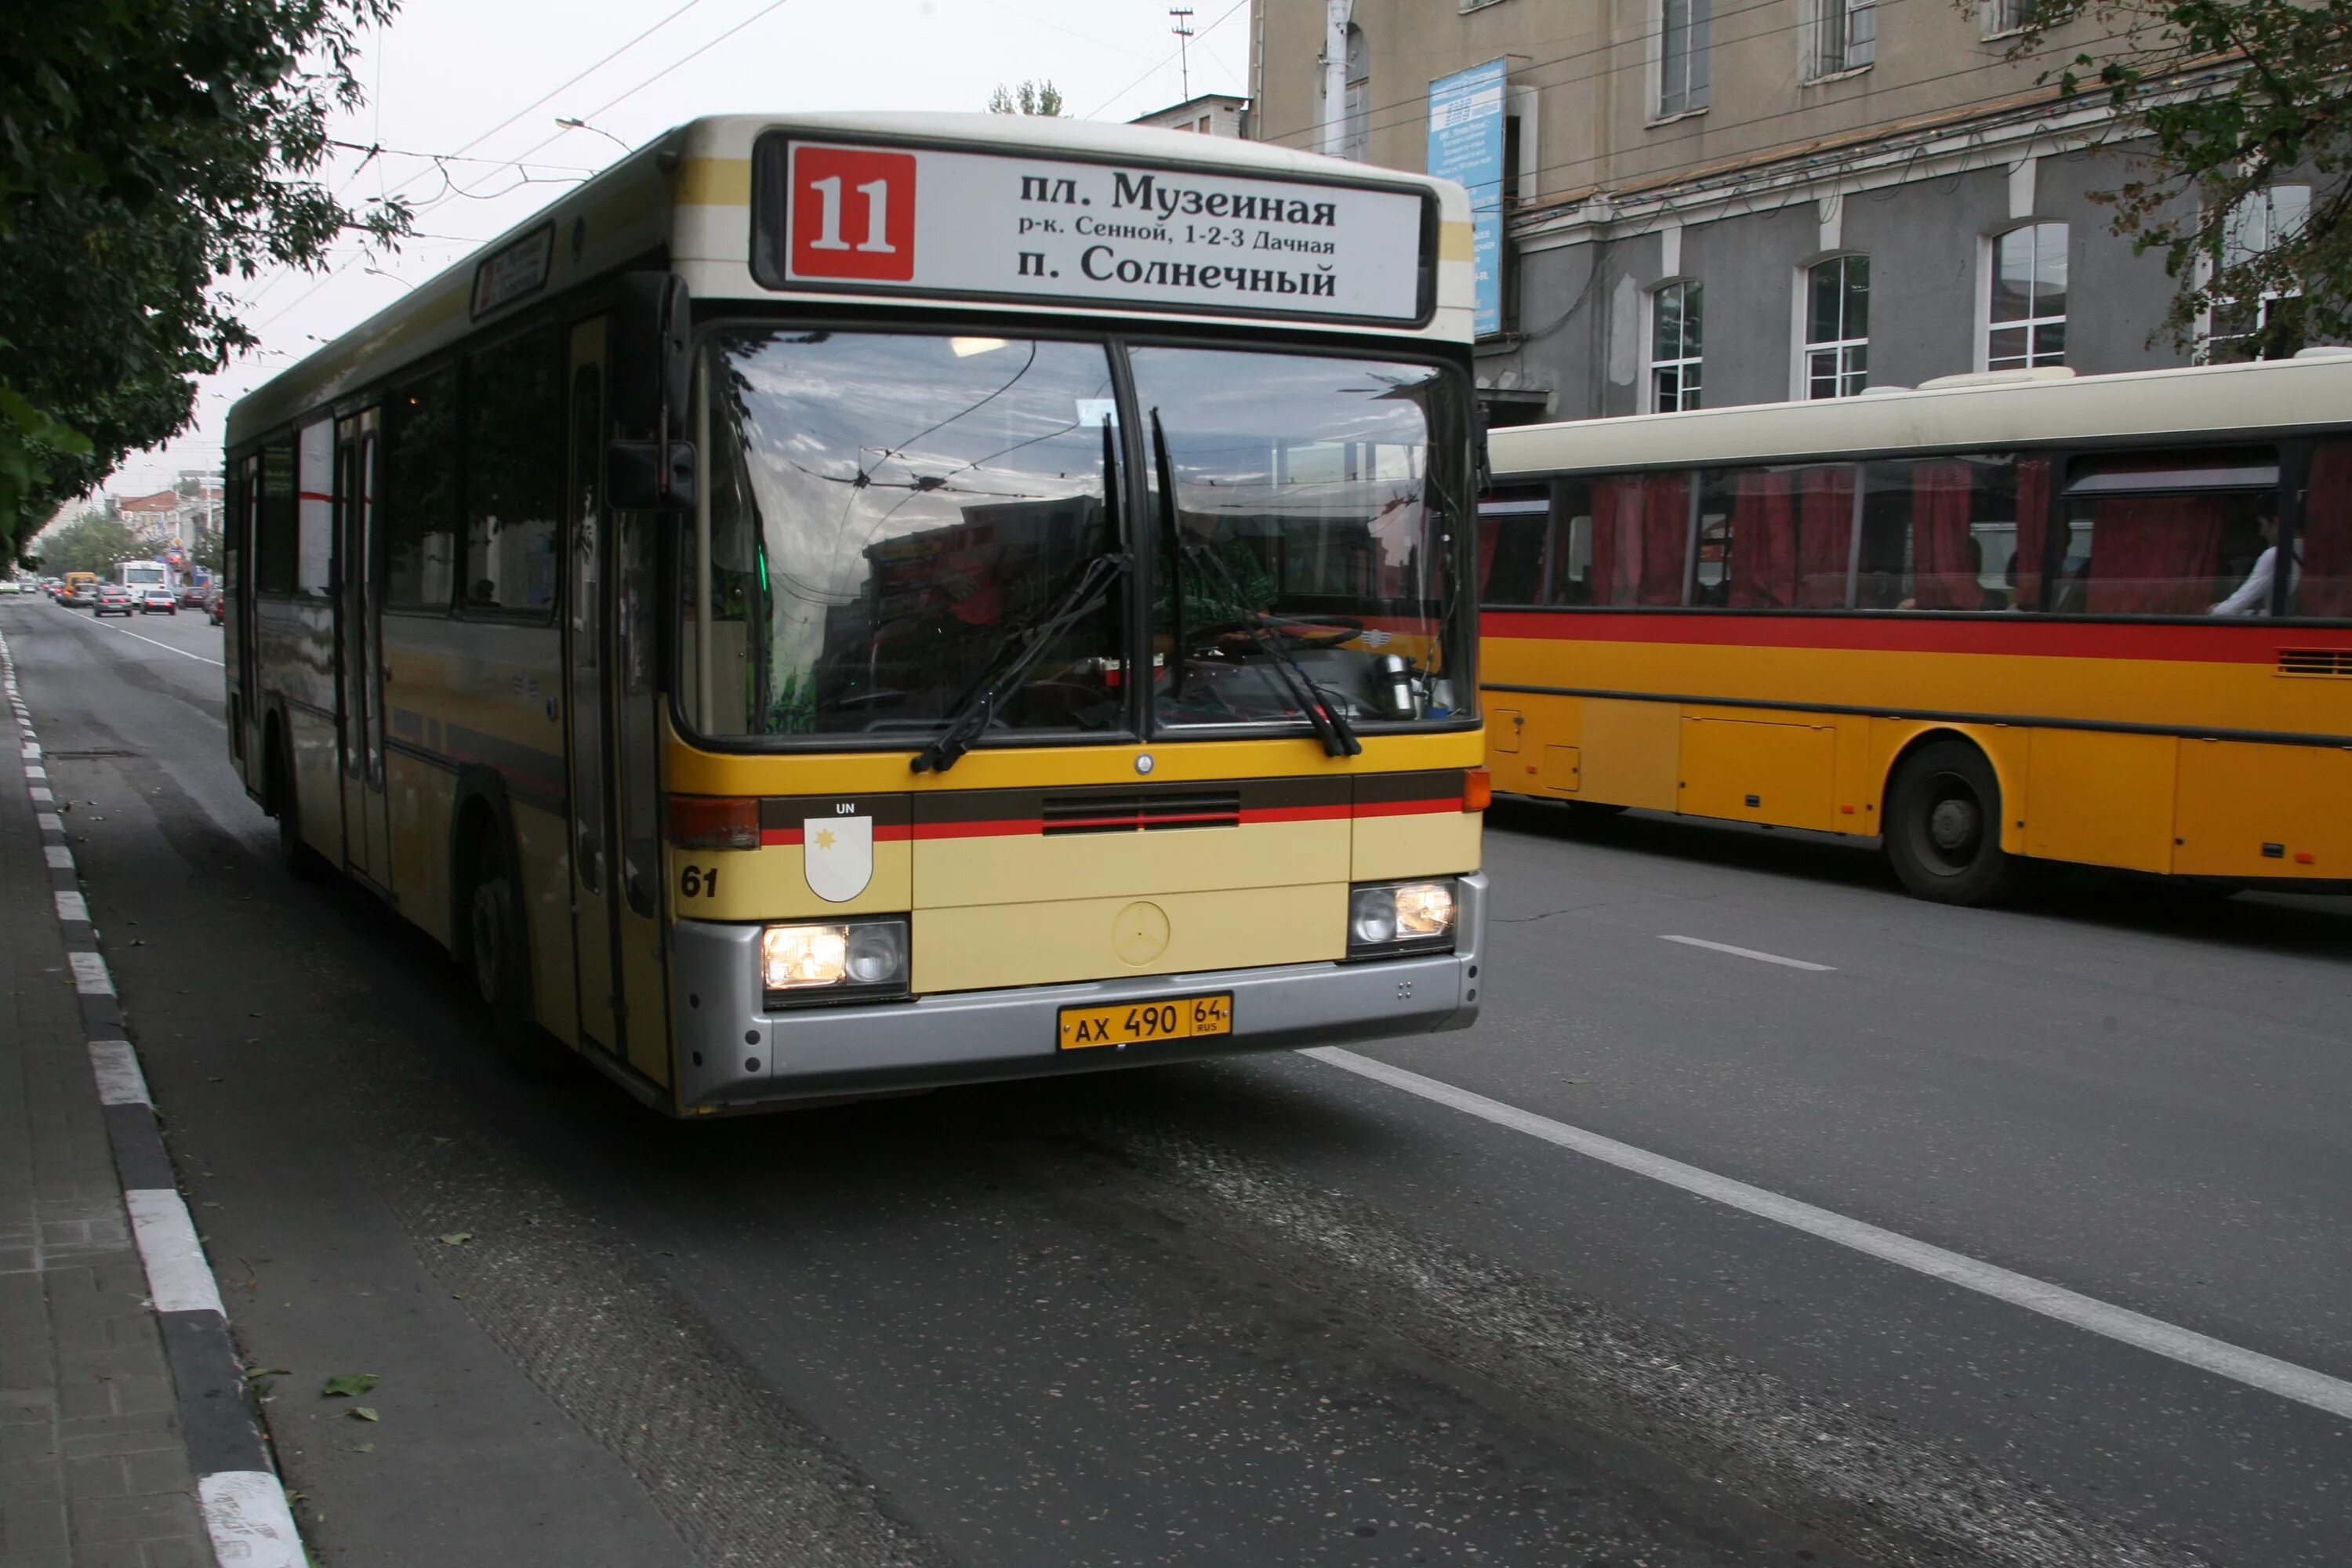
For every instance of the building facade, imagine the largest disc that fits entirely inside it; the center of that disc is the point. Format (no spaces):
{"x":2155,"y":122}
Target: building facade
{"x":1711,"y":202}
{"x":1211,"y":115}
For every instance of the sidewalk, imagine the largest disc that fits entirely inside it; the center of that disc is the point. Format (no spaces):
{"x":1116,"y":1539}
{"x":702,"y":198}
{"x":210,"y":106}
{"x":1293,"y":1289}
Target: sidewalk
{"x":126,"y":1436}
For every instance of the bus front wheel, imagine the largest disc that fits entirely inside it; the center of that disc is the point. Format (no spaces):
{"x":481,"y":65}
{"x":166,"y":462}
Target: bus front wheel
{"x":302,"y":862}
{"x":1943,"y":826}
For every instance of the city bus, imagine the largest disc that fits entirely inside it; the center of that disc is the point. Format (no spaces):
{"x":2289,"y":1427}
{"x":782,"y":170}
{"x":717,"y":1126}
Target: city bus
{"x":1994,"y":619}
{"x":848,"y":604}
{"x":136,"y":575}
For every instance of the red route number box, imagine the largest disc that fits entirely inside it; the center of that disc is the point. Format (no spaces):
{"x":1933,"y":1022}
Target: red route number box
{"x":853,"y":214}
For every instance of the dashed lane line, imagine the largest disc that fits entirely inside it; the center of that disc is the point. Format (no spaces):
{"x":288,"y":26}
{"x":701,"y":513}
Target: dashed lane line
{"x":1750,"y":952}
{"x":2252,"y":1368}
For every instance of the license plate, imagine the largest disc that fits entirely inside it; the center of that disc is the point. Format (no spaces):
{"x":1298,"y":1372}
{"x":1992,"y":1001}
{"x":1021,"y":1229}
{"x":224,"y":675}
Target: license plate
{"x":1144,"y":1023}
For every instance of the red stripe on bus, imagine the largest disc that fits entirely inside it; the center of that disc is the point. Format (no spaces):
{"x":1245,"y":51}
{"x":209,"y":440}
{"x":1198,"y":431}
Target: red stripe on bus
{"x":2257,"y":642}
{"x":1337,"y":811}
{"x":1409,"y":808}
{"x":1005,"y":827}
{"x":884,"y":832}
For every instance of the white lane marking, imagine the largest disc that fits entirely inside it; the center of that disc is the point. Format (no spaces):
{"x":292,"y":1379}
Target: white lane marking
{"x":246,"y":1516}
{"x":49,"y":822}
{"x":116,"y":1067}
{"x":167,"y":647}
{"x":178,"y":1279}
{"x":73,"y":907}
{"x":2253,"y":1368}
{"x":90,"y":977}
{"x":61,"y":858}
{"x":1749,"y":952}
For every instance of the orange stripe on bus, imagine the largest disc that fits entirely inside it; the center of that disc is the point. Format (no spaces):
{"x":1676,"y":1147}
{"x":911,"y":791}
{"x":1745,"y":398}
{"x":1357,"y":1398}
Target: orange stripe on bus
{"x":2233,"y":641}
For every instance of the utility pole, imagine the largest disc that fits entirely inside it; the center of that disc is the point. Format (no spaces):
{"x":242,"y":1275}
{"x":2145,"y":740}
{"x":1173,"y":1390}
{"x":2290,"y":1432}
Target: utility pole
{"x":1182,"y":15}
{"x":1336,"y":16}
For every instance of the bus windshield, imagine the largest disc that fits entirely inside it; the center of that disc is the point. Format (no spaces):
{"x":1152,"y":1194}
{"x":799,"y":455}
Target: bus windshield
{"x":891,"y":515}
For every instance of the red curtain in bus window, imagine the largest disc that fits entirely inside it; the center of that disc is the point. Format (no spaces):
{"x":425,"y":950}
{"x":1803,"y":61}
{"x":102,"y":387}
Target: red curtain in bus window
{"x":2154,"y":555}
{"x":1489,"y":530}
{"x":1825,"y":538}
{"x":1639,"y":527}
{"x":1945,"y":560}
{"x":2326,"y":547}
{"x":2033,"y":527}
{"x":1763,"y":543}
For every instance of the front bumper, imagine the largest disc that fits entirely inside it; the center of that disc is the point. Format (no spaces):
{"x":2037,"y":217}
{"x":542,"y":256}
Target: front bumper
{"x":731,"y":1052}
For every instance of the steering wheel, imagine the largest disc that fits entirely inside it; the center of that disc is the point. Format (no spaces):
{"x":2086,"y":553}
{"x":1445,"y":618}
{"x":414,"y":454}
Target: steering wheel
{"x":1294,"y":631}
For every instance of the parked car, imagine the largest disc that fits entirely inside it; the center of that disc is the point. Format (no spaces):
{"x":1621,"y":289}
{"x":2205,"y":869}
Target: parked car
{"x":113,"y":600}
{"x":213,"y":611}
{"x":158,"y":599}
{"x":10,"y":585}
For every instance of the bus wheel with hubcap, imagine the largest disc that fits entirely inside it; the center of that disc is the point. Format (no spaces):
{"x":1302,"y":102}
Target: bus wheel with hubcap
{"x":1943,"y":826}
{"x":499,"y":953}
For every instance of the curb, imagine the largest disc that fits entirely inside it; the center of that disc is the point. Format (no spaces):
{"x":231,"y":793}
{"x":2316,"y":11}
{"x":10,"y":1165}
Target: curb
{"x":238,"y":1494}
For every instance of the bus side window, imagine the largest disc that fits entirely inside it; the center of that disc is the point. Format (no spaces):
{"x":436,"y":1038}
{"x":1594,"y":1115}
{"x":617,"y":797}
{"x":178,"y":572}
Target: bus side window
{"x":1951,"y":533}
{"x":1640,"y":537}
{"x":421,"y":493}
{"x":2169,"y":533}
{"x":514,"y":478}
{"x":1569,"y":575}
{"x":1514,"y":536}
{"x":2321,"y":584}
{"x":275,"y":540}
{"x":1775,"y":538}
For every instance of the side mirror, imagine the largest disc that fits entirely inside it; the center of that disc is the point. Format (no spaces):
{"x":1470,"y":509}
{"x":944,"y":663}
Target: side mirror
{"x":635,"y":478}
{"x":652,"y":360}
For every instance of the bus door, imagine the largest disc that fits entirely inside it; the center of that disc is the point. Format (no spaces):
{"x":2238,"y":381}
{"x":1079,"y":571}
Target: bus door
{"x":367,"y":821}
{"x":593,"y":927}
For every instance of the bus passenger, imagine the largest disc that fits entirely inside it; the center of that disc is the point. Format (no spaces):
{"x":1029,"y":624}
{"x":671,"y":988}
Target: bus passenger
{"x":2254,"y":596}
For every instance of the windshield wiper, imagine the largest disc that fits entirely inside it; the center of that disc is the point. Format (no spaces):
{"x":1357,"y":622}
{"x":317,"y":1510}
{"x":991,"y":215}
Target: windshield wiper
{"x":1328,"y":719}
{"x":1027,"y":642}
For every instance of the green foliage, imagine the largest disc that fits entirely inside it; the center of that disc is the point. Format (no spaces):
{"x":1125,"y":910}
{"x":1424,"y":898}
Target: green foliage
{"x":150,"y":151}
{"x":206,"y":549}
{"x":94,"y":542}
{"x":2231,"y":96}
{"x":1040,"y":97}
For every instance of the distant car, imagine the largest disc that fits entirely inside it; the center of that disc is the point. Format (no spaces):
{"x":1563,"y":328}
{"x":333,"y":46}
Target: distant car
{"x":213,"y":611}
{"x":158,"y":598}
{"x":193,"y":594}
{"x":11,"y":585}
{"x":83,"y":597}
{"x":113,"y":600}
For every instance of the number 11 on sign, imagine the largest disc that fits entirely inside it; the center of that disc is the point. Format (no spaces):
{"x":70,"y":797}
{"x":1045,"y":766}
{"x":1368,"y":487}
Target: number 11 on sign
{"x":877,"y":216}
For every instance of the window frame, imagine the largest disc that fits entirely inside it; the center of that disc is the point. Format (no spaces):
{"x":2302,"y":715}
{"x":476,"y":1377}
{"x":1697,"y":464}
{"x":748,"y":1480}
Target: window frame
{"x":1801,"y":381}
{"x":1650,"y":362}
{"x":1698,"y":50}
{"x":1826,"y":37}
{"x":1988,"y":275}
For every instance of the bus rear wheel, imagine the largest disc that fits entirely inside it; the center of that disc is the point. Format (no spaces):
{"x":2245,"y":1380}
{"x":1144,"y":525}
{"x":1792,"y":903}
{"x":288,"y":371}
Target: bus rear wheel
{"x":1943,"y":826}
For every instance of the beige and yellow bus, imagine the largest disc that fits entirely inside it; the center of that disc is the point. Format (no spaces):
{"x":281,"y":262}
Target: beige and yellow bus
{"x":847,"y":604}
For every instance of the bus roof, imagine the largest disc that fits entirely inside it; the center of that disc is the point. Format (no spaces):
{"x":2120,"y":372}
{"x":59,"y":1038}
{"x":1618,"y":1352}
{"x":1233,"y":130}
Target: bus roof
{"x":2206,"y":403}
{"x":686,"y":195}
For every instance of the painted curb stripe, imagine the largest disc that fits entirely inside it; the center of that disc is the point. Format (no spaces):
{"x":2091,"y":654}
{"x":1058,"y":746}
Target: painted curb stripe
{"x":2187,"y":1346}
{"x":216,"y":1409}
{"x":245,"y":1514}
{"x":178,"y":1279}
{"x":116,"y":1067}
{"x":90,"y":977}
{"x":49,"y":821}
{"x":61,"y":858}
{"x":73,"y":907}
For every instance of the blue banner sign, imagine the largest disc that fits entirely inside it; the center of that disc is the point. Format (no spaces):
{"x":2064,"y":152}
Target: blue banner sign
{"x":1465,"y":144}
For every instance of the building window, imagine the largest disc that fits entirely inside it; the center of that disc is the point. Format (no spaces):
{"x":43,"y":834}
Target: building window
{"x":2258,"y":224}
{"x":1674,"y":321}
{"x":2027,"y":321}
{"x":1682,"y":56}
{"x":2008,"y":17}
{"x":1837,"y":327}
{"x":1844,"y":36}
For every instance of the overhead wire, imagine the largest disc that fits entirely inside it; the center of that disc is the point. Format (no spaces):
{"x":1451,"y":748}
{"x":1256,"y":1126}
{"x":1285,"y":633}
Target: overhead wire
{"x":1223,"y":18}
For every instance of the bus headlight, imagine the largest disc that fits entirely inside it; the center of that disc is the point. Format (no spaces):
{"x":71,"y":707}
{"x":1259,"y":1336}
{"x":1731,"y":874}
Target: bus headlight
{"x":1400,"y":917}
{"x":864,"y":958}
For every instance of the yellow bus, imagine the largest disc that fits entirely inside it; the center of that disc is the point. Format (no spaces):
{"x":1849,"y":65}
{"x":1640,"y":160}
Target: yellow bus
{"x":848,"y":604}
{"x":2000,"y":617}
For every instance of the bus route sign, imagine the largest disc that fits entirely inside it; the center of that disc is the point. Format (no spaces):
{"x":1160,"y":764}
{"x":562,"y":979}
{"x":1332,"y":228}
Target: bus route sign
{"x":979,"y":225}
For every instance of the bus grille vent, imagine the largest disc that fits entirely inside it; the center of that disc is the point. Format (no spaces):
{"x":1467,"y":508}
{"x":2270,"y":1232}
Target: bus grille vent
{"x":2314,"y":662}
{"x":1141,"y":812}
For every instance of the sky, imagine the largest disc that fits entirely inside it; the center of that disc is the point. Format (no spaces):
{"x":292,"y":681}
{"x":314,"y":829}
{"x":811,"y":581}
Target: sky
{"x":459,"y":78}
